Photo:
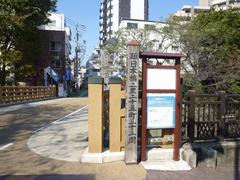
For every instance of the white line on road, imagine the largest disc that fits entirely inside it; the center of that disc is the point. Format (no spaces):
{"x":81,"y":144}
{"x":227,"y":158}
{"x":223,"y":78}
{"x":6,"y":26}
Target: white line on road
{"x":72,"y":120}
{"x":57,"y":121}
{"x":74,"y":112}
{"x":5,"y":146}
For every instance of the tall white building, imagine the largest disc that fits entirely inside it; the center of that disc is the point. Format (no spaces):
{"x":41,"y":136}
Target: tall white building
{"x":220,"y":4}
{"x":188,"y":11}
{"x":112,"y":11}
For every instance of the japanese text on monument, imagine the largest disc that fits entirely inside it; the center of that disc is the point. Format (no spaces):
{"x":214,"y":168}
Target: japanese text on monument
{"x":132,"y":110}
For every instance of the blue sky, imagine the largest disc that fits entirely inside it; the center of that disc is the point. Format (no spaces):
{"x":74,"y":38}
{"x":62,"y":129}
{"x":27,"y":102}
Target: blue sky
{"x":86,"y":12}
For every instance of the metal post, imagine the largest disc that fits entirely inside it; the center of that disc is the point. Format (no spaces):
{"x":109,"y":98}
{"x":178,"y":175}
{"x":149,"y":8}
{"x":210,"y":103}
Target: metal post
{"x":191,"y":114}
{"x":221,"y":113}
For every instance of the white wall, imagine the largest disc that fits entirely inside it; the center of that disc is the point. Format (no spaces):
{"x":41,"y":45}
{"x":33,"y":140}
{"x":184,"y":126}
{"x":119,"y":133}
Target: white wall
{"x":137,"y":9}
{"x":59,"y":23}
{"x":115,"y":12}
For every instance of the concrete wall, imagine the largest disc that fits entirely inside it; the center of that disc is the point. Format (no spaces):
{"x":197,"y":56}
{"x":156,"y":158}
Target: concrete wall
{"x":227,"y":153}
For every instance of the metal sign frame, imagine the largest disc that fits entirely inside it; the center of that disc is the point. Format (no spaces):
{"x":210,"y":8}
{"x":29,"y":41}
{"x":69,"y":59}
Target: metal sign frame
{"x":145,"y":66}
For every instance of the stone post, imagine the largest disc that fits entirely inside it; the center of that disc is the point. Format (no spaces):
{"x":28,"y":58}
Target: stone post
{"x":132,"y":87}
{"x":115,"y":115}
{"x":95,"y":115}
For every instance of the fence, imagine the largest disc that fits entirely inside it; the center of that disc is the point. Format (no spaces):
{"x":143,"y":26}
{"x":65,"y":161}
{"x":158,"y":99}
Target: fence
{"x":106,"y":117}
{"x":204,"y":116}
{"x":210,"y":117}
{"x":11,"y":94}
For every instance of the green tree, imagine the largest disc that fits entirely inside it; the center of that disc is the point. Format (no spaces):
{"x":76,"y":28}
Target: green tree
{"x":18,"y":25}
{"x":150,"y":38}
{"x":211,"y":43}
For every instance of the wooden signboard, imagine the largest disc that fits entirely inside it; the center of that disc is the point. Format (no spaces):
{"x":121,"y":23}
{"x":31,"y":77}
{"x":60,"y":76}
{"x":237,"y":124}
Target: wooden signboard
{"x":161,"y":99}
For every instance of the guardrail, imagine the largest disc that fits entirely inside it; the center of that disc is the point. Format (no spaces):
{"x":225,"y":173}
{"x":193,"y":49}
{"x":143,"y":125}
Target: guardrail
{"x":12,"y":94}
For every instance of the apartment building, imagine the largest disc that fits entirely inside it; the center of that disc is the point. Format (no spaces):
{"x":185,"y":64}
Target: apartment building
{"x":188,"y":11}
{"x":54,"y":50}
{"x":112,"y":11}
{"x":220,"y":4}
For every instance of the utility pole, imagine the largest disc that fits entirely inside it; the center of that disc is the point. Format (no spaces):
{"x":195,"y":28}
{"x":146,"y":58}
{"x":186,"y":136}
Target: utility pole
{"x":76,"y":62}
{"x":78,"y":49}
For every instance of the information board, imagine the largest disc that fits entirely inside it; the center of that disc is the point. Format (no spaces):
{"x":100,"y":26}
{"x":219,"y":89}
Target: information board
{"x":161,"y":79}
{"x":161,"y":110}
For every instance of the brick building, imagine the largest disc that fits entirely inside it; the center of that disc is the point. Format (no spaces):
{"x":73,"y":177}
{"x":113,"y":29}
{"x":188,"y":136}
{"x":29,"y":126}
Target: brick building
{"x":54,"y":49}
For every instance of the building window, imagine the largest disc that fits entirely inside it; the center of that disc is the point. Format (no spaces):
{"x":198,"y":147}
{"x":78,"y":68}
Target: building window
{"x":160,"y":46}
{"x":56,"y":46}
{"x":174,"y":48}
{"x":132,"y":25}
{"x":52,"y":23}
{"x":150,"y":26}
{"x":55,"y":61}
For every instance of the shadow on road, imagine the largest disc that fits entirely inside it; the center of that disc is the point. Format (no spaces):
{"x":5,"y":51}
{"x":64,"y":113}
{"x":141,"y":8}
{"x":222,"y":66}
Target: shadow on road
{"x":49,"y":177}
{"x":19,"y":123}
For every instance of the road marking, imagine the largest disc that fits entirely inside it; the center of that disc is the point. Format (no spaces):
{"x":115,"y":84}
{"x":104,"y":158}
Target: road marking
{"x":74,"y":116}
{"x":74,"y":112}
{"x":69,"y":121}
{"x":58,"y":121}
{"x":5,"y":146}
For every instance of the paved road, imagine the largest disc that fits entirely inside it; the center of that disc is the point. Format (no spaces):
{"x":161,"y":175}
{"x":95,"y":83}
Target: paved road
{"x":18,"y":126}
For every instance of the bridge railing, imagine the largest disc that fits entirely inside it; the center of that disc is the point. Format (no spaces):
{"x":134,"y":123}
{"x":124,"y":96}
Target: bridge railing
{"x":12,"y":94}
{"x":210,"y":116}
